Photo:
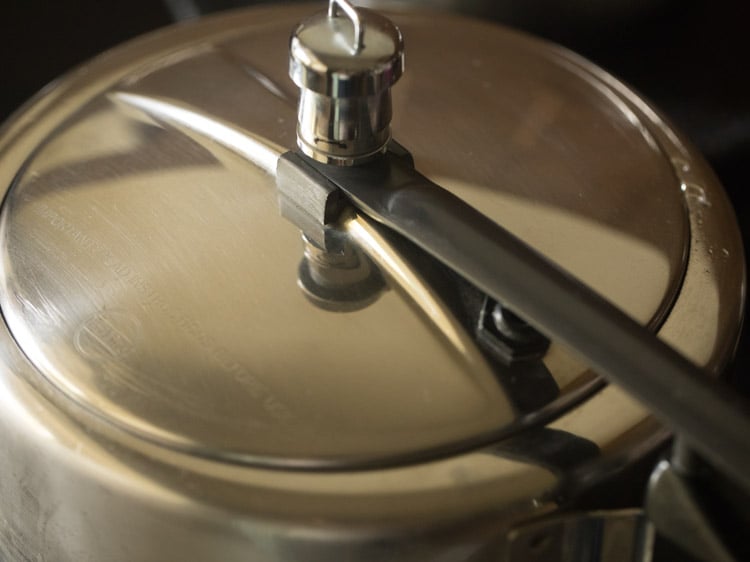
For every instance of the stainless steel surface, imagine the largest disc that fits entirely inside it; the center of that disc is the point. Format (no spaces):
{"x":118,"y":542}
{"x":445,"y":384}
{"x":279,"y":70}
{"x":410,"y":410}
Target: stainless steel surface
{"x":145,"y":257}
{"x":358,"y":40}
{"x":143,"y":138}
{"x":339,"y":279}
{"x":345,"y":67}
{"x":616,"y":536}
{"x":679,"y":512}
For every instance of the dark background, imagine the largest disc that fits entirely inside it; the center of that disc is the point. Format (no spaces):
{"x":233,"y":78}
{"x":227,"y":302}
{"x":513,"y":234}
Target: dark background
{"x":689,"y":57}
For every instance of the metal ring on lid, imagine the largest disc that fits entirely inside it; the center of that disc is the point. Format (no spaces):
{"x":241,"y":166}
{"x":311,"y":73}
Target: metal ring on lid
{"x":345,"y":67}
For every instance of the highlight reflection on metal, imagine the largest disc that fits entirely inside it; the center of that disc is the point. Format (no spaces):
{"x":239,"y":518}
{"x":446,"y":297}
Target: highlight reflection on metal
{"x":505,"y":268}
{"x":408,"y":280}
{"x":353,"y":15}
{"x":254,"y":149}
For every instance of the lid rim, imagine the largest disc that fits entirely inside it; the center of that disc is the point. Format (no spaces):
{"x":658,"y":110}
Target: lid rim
{"x":677,"y":295}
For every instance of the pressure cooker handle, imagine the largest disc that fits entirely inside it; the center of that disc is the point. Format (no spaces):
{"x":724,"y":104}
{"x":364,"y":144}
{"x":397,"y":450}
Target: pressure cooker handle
{"x":343,"y":129}
{"x":708,"y":414}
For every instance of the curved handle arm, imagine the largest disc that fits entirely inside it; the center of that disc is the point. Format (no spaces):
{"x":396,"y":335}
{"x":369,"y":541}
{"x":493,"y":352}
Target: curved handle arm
{"x":709,"y":415}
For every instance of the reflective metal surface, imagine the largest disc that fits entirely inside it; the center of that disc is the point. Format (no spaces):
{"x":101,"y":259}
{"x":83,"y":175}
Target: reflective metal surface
{"x":618,"y":536}
{"x":149,"y":275}
{"x":390,"y":191}
{"x":344,"y":64}
{"x":677,"y":510}
{"x":159,"y":344}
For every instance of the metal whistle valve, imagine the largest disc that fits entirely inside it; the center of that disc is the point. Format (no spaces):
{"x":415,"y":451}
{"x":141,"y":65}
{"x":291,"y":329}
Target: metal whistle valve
{"x":344,"y":61}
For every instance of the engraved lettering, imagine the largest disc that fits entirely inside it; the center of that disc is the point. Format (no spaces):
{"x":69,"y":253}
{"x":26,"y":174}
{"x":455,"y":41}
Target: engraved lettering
{"x":96,"y":338}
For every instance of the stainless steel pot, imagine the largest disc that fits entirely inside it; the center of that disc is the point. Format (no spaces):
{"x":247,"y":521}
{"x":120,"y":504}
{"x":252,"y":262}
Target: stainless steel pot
{"x":182,"y":378}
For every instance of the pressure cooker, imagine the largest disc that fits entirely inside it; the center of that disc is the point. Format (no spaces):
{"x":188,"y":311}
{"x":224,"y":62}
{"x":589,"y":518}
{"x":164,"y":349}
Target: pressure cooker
{"x":375,"y":292}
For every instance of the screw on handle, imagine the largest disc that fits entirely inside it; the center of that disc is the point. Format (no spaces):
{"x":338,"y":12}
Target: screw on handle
{"x":351,"y":12}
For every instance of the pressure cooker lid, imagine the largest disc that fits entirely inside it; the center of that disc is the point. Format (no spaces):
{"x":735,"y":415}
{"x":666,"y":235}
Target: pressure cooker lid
{"x":150,"y":277}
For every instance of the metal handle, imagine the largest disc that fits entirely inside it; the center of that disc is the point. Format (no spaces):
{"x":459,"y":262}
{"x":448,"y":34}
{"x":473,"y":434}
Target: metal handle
{"x":351,"y":12}
{"x":713,"y":419}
